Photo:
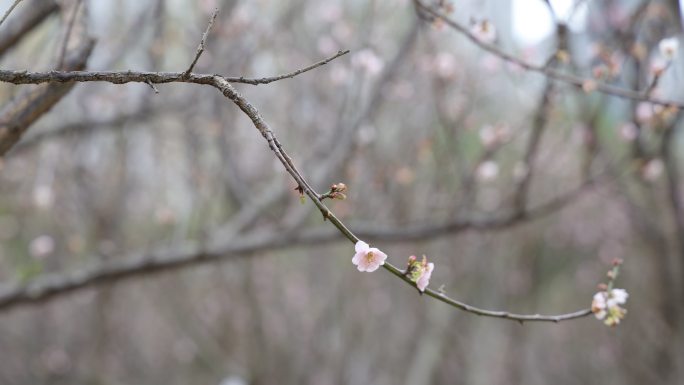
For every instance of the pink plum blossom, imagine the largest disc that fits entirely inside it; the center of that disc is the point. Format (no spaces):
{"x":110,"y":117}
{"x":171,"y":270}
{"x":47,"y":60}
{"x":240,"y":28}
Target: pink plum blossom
{"x":419,"y":271}
{"x":368,"y":258}
{"x":424,"y":279}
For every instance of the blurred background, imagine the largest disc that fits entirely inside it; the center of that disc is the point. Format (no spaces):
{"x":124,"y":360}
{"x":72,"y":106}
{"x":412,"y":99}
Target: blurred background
{"x":520,"y":189}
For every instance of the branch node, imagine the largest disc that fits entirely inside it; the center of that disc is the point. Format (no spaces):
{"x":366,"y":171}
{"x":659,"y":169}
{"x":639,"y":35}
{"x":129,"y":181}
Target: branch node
{"x":149,"y":83}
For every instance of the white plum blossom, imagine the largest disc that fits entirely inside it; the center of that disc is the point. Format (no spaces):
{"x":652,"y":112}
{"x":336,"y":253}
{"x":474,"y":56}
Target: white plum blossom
{"x":42,"y":246}
{"x":606,"y":306}
{"x":668,"y":47}
{"x":424,"y":279}
{"x":367,"y":258}
{"x":487,"y":171}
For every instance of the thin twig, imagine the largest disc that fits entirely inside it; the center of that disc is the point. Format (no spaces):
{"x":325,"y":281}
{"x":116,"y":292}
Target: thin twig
{"x":11,"y":8}
{"x":256,"y":82}
{"x":203,"y":42}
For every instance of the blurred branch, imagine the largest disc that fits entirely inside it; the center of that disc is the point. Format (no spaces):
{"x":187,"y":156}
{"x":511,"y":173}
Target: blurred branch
{"x":24,"y":21}
{"x":668,"y":152}
{"x":72,"y":15}
{"x":52,"y":286}
{"x":540,"y":120}
{"x":545,"y":70}
{"x":11,"y":8}
{"x":16,"y":117}
{"x":89,"y":126}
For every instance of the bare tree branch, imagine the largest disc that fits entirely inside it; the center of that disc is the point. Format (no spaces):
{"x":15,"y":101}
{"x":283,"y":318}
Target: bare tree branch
{"x":122,"y":77}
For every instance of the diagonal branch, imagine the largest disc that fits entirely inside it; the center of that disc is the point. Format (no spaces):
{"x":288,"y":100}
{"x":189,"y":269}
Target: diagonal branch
{"x":545,"y":70}
{"x":229,"y":91}
{"x":9,"y":10}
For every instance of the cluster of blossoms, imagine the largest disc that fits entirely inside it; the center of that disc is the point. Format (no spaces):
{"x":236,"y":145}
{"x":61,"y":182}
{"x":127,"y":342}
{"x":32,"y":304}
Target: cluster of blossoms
{"x":369,"y":259}
{"x":606,"y":303}
{"x":606,"y":306}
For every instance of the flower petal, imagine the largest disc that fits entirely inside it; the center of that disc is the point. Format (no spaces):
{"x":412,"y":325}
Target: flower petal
{"x":378,"y":256}
{"x":357,"y":257}
{"x":424,"y":280}
{"x":600,"y":314}
{"x":361,"y":246}
{"x":619,"y":295}
{"x":372,"y":267}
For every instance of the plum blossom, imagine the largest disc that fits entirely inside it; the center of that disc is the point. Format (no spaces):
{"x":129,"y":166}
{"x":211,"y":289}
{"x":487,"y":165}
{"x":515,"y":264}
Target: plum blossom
{"x":368,"y":258}
{"x":606,"y":306}
{"x":420,"y":272}
{"x":629,"y":132}
{"x":41,"y":246}
{"x":424,"y":279}
{"x":492,"y":136}
{"x":668,"y":48}
{"x":487,"y":171}
{"x":367,"y":60}
{"x":484,"y":31}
